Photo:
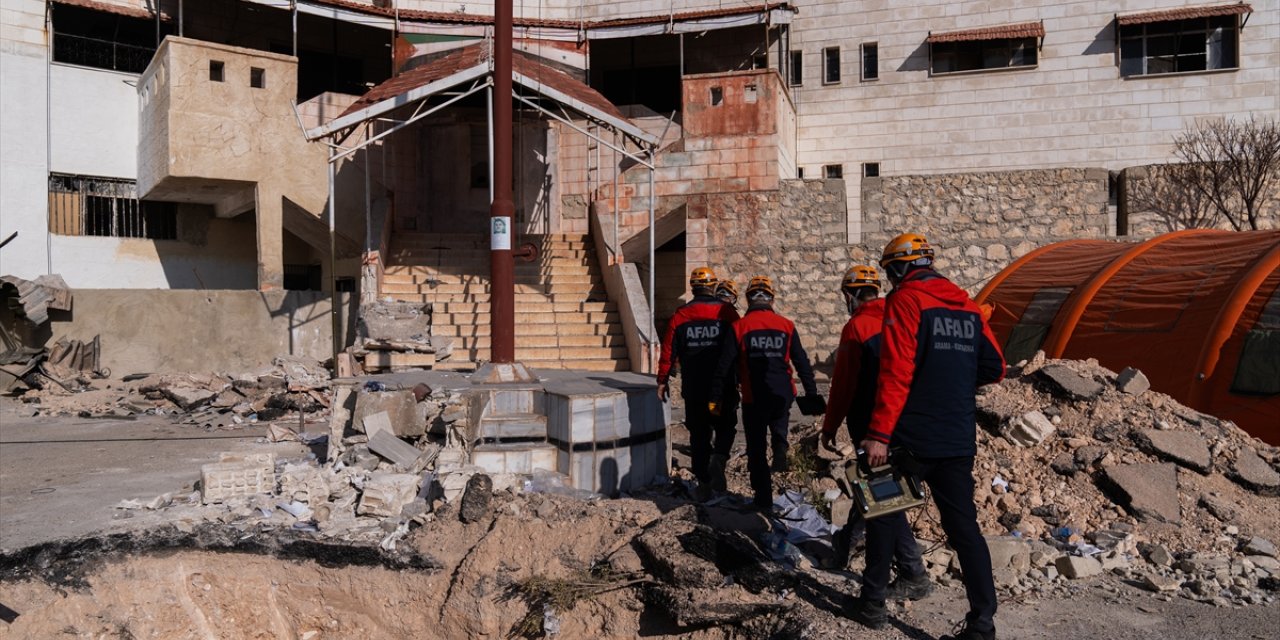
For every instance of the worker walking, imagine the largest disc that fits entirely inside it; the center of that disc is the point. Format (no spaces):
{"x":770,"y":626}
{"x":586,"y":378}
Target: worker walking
{"x":936,"y":351}
{"x":762,"y":348}
{"x":853,"y":395}
{"x":727,"y":421}
{"x":693,"y":344}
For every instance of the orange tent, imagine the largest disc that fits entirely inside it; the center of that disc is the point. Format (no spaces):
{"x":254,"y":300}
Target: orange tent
{"x":1198,"y":311}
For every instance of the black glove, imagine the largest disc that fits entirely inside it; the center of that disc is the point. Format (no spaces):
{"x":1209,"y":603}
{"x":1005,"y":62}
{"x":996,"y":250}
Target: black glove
{"x":813,"y":405}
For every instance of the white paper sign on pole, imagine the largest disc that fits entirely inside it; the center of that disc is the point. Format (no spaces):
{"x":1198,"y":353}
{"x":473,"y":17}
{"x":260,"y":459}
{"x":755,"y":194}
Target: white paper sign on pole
{"x":500,"y":233}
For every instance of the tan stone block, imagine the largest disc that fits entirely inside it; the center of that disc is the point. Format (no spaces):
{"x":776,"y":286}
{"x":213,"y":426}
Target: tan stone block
{"x":763,"y":183}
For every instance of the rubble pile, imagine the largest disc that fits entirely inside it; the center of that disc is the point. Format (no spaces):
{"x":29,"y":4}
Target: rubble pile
{"x":291,"y":389}
{"x":1085,"y":471}
{"x":396,"y":336}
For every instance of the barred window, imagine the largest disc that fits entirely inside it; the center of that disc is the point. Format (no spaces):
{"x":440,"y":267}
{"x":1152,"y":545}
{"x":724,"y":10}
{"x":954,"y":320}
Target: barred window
{"x":1176,"y":46}
{"x":95,"y":206}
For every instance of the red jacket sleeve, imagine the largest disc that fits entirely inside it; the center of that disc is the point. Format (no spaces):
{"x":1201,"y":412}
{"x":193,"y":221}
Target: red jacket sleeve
{"x":666,"y":357}
{"x":897,"y":364}
{"x":843,"y":379}
{"x":990,"y":359}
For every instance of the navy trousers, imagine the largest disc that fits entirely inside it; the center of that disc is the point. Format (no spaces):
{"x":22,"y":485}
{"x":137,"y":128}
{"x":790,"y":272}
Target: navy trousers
{"x":708,"y":434}
{"x":762,"y":422}
{"x":950,"y":482}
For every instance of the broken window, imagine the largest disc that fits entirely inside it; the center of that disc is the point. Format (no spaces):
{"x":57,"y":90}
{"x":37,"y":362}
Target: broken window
{"x":760,"y":61}
{"x":831,"y":65}
{"x":1173,"y":46}
{"x":257,"y":78}
{"x":717,"y":96}
{"x":797,"y":68}
{"x":102,"y":40}
{"x":1028,"y":335}
{"x":870,"y":61}
{"x":978,"y":55}
{"x":94,"y":206}
{"x":833,"y":171}
{"x":217,"y":70}
{"x":1258,"y":370}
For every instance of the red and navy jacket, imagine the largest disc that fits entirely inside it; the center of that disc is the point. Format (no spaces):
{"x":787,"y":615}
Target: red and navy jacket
{"x":853,"y":382}
{"x":936,"y":351}
{"x":694,"y":340}
{"x":764,"y":345}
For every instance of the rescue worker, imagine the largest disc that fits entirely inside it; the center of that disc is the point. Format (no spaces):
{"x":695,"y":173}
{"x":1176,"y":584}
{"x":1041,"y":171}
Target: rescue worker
{"x":936,"y":350}
{"x":853,"y":395}
{"x":763,"y":346}
{"x":693,"y":343}
{"x":726,"y":292}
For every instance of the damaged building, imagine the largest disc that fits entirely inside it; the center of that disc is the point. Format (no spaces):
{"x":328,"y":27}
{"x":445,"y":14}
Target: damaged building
{"x":282,"y":151}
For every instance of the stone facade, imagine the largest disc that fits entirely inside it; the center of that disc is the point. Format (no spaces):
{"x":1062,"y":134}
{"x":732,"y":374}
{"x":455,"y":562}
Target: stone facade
{"x":980,"y":222}
{"x":794,"y":235}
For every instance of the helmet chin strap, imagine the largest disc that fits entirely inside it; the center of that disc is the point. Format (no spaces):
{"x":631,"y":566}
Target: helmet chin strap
{"x":852,"y":302}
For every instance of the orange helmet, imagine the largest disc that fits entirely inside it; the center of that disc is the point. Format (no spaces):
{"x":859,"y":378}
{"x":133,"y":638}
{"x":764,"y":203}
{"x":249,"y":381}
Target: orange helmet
{"x":906,"y":247}
{"x":703,"y":277}
{"x":858,"y":276}
{"x":761,"y":284}
{"x":727,"y":287}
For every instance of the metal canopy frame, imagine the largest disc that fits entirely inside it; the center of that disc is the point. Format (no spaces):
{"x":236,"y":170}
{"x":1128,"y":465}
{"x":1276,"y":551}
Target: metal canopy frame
{"x":482,"y":79}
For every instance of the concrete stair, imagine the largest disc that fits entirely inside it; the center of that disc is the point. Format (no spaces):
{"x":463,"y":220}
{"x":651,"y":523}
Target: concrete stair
{"x":564,"y":318}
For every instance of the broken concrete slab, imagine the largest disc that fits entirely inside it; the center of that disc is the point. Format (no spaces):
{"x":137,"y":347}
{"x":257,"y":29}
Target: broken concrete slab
{"x":1159,"y":583}
{"x":1149,"y":491}
{"x":1219,"y":507}
{"x":1028,"y":429}
{"x":376,"y":423}
{"x":386,"y":494}
{"x":1254,"y":473}
{"x":1077,"y":567}
{"x":1184,"y":448}
{"x":1132,"y":382}
{"x":304,"y":483}
{"x":1067,"y":383}
{"x":401,"y":407}
{"x":1256,"y":546}
{"x":476,"y":499}
{"x":1009,"y":552}
{"x":399,"y":452}
{"x":189,"y":397}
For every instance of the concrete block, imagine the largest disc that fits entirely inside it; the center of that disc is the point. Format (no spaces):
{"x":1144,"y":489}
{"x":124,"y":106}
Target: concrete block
{"x":1009,"y":552}
{"x":1028,"y":429}
{"x":522,"y":458}
{"x":1077,"y":567}
{"x":304,"y":483}
{"x":1132,"y":382}
{"x":582,"y":419}
{"x":377,"y":422}
{"x":220,"y":481}
{"x":189,"y":397}
{"x":513,"y":426}
{"x":1068,"y":383}
{"x":386,"y":494}
{"x":402,"y":408}
{"x":1254,"y":473}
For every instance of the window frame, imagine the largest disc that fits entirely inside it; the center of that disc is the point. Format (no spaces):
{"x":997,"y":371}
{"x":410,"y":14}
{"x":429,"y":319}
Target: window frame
{"x":862,"y":68}
{"x":827,"y":171}
{"x":826,"y":66}
{"x":1177,"y":34}
{"x":103,"y":207}
{"x":1032,"y":41}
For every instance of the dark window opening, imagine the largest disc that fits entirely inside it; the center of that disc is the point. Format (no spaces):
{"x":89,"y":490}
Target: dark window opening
{"x":320,"y":72}
{"x":831,"y":65}
{"x":833,"y":171}
{"x":870,"y":61}
{"x":871,"y":170}
{"x":978,"y":55}
{"x":800,"y":173}
{"x":344,"y":284}
{"x":760,"y":61}
{"x":797,"y":68}
{"x":103,"y":40}
{"x":1033,"y":327}
{"x":107,"y":207}
{"x":217,"y":71}
{"x":257,"y":78}
{"x":1258,"y":369}
{"x":1201,"y":44}
{"x":658,"y":88}
{"x":717,"y":96}
{"x":303,"y":277}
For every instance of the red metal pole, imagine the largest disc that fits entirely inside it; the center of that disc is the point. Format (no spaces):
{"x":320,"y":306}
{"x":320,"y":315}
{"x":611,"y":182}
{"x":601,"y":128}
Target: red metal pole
{"x":502,"y":293}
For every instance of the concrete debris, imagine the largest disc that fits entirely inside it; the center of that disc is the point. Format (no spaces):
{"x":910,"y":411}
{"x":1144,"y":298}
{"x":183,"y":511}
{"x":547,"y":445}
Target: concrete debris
{"x":1149,"y":491}
{"x":1252,"y":472}
{"x":1029,"y":429}
{"x":387,"y":494}
{"x":405,"y":414}
{"x":1259,"y":547}
{"x":1218,"y":507}
{"x":1077,"y":567}
{"x":1184,"y":448}
{"x":1160,"y":583}
{"x":1132,"y":382}
{"x":1068,"y":383}
{"x":234,"y":478}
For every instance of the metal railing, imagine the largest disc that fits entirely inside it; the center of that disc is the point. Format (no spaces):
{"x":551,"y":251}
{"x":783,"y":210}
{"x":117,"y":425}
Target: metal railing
{"x":101,"y":54}
{"x":93,"y":206}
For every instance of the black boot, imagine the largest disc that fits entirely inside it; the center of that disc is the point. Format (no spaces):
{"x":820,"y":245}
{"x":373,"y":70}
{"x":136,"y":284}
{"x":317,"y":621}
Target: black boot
{"x":966,"y":633}
{"x":868,"y":613}
{"x":909,"y":587}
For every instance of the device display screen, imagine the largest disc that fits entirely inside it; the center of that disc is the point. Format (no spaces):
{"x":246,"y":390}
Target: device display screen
{"x":884,"y":488}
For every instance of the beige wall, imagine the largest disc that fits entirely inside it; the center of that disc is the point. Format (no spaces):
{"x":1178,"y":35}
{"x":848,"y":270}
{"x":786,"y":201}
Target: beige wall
{"x":200,"y":331}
